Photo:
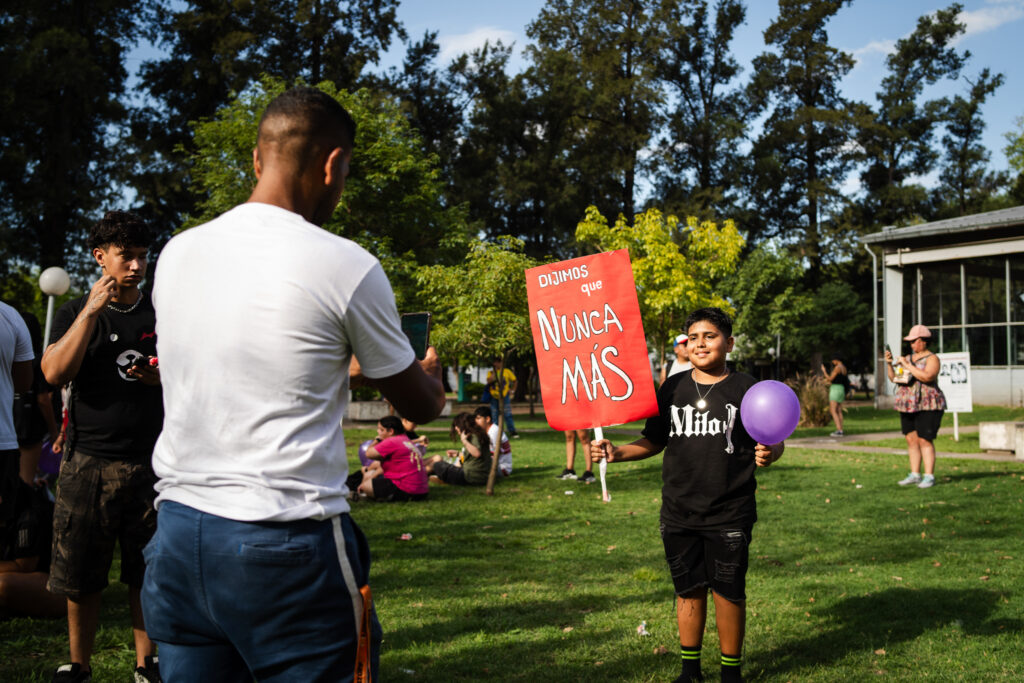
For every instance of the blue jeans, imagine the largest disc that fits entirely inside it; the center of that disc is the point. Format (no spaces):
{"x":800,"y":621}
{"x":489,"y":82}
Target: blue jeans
{"x":278,"y":601}
{"x":510,"y":425}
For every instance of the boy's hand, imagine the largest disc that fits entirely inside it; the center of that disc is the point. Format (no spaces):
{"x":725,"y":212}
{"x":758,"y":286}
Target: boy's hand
{"x":602,"y":450}
{"x":766,"y":455}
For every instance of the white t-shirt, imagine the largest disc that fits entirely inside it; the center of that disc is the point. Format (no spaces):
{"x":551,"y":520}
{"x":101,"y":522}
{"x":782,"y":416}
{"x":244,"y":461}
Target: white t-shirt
{"x":15,"y":347}
{"x":258,"y":315}
{"x":678,"y":367}
{"x":505,"y":454}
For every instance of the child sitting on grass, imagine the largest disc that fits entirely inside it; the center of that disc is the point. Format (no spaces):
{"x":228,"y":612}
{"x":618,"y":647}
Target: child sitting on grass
{"x":482,"y":416}
{"x":475,"y":455}
{"x":707,"y":509}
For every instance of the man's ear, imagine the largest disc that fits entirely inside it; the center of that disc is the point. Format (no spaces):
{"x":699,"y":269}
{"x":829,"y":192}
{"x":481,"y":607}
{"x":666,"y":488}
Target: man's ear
{"x":257,"y":167}
{"x":100,"y":257}
{"x":729,"y":343}
{"x":336,"y":166}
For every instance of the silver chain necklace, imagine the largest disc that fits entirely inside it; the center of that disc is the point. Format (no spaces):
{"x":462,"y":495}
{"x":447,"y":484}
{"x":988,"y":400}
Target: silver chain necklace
{"x":701,"y":403}
{"x":112,"y":306}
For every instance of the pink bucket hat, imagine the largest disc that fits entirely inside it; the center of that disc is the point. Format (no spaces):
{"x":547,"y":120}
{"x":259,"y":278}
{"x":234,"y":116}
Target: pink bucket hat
{"x":918,"y":332}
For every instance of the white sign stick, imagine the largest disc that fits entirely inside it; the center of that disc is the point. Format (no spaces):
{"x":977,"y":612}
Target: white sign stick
{"x":602,"y":468}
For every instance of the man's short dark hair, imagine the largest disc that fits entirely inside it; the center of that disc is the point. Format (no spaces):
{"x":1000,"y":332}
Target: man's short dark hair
{"x":715,"y":316}
{"x":121,"y":229}
{"x":483,"y":411}
{"x":313,"y":115}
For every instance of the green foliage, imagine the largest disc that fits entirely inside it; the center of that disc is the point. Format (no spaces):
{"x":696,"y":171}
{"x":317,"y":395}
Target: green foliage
{"x":479,"y":305}
{"x":702,"y":161}
{"x":1014,"y":150}
{"x":965,"y":185}
{"x":213,"y":49}
{"x":599,"y":58}
{"x":770,"y":300}
{"x":803,"y":154}
{"x":897,"y":140}
{"x":676,"y":268}
{"x":393,"y":203}
{"x":63,"y":94}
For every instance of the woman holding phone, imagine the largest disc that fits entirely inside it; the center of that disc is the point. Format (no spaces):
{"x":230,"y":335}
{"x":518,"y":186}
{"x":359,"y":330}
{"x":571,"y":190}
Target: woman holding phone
{"x":920,"y":403}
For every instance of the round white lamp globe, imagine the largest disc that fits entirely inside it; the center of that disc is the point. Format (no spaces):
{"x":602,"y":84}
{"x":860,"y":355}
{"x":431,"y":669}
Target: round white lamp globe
{"x":54,"y":281}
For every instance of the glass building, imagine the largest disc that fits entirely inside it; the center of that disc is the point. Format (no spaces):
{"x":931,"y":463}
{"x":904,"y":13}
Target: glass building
{"x":964,"y":279}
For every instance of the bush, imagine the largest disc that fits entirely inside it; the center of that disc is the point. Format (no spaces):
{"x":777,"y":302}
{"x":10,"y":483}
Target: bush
{"x":473,"y":391}
{"x":813,"y":394}
{"x":365,"y":394}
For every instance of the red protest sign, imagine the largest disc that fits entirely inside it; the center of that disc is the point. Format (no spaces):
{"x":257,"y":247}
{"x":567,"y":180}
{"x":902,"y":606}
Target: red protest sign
{"x":590,"y":345}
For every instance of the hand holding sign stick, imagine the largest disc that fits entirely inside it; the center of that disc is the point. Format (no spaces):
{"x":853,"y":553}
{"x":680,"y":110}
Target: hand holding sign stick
{"x":602,"y":468}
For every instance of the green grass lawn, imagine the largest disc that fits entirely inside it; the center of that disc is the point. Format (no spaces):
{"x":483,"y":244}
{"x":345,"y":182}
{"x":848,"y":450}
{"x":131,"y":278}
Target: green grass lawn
{"x":866,"y":420}
{"x":851,"y":577}
{"x":968,"y":443}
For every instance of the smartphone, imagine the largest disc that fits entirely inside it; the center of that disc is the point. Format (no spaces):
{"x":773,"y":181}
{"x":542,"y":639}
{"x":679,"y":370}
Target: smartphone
{"x":416,"y":327}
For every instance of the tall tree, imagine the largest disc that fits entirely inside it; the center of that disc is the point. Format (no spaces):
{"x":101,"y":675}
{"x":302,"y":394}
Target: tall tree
{"x":600,"y":58}
{"x":1015,"y":156}
{"x":897,"y":139}
{"x":430,"y":98}
{"x":392,"y":204}
{"x":803,"y":154}
{"x":706,"y":120}
{"x":217,"y":48}
{"x":62,"y":92}
{"x":964,"y":182}
{"x":513,"y":169}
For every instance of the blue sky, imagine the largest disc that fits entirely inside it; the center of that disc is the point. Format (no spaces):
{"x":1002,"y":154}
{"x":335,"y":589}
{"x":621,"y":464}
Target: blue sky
{"x":867,"y":29}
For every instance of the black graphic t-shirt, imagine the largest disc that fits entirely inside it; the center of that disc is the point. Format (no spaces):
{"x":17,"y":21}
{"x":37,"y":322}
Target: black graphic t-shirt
{"x":113,"y":415}
{"x":708,"y":463}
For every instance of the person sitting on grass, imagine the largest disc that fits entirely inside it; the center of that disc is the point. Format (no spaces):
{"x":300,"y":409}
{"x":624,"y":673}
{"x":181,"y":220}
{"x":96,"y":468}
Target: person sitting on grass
{"x":708,"y":509}
{"x":397,"y":473}
{"x":482,"y":416}
{"x":474,"y":464}
{"x":25,"y":555}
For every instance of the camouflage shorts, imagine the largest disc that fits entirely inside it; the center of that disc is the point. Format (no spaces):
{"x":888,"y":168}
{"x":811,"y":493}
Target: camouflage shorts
{"x":100,"y":502}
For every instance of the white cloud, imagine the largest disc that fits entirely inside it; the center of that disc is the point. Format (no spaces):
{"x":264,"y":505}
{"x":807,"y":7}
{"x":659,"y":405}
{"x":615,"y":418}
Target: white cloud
{"x":454,"y":45}
{"x":875,"y":47}
{"x":991,"y":17}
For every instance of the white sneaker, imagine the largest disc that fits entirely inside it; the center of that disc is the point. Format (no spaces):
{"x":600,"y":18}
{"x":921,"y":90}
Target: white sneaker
{"x":912,"y":478}
{"x":927,"y":482}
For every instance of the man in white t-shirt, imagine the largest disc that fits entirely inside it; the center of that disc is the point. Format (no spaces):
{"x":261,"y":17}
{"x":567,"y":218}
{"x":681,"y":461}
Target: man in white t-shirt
{"x":15,"y":377}
{"x":257,"y":570}
{"x":681,"y":362}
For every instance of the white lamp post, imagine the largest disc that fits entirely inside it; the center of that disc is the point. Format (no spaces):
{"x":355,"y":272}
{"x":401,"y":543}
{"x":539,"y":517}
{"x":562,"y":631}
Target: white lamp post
{"x":54,"y":282}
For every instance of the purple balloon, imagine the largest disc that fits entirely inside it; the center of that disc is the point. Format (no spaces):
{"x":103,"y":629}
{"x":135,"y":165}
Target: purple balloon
{"x":363,"y":458}
{"x":770,"y":412}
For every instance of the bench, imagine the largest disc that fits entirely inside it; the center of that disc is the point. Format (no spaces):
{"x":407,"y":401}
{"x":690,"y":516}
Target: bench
{"x":1002,"y":436}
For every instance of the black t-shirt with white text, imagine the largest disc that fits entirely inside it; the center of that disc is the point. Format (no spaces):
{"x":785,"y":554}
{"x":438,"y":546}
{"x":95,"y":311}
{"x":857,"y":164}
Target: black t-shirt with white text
{"x":708,"y":463}
{"x":111,"y":414}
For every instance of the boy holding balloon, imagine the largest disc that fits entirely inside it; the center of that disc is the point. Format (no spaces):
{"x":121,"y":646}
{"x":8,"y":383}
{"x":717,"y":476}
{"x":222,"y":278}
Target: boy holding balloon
{"x":708,"y":508}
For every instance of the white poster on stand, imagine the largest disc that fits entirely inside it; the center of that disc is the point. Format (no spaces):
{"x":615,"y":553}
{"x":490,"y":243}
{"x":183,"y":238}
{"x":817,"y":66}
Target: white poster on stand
{"x":955,"y":381}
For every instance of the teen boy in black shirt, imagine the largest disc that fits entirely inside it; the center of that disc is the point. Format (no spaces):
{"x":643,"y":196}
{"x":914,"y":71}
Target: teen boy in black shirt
{"x":105,"y":493}
{"x":707,"y":509}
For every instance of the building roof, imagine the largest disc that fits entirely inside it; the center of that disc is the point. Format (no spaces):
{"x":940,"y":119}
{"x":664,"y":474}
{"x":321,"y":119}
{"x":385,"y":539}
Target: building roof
{"x":1000,"y":224}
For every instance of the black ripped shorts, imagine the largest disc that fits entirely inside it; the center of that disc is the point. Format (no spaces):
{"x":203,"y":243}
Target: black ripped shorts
{"x":708,"y":558}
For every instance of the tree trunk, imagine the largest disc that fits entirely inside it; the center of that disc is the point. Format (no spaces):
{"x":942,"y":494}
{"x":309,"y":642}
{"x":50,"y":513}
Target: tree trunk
{"x":496,"y":447}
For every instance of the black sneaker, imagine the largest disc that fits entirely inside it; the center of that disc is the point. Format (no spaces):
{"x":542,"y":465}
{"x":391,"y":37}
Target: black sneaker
{"x":71,"y":673}
{"x":588,"y":477}
{"x":150,"y":673}
{"x":567,"y":474}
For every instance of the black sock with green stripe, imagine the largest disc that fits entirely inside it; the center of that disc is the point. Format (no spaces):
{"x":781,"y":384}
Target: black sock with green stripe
{"x":731,"y":668}
{"x":691,"y":662}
